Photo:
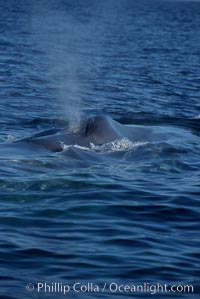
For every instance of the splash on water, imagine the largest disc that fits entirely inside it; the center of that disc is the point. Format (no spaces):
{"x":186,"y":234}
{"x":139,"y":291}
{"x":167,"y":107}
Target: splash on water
{"x":117,"y":145}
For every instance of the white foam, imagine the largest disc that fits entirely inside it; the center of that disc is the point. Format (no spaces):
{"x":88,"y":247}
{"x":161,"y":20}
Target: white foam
{"x":65,"y":147}
{"x":117,"y":145}
{"x":10,"y":138}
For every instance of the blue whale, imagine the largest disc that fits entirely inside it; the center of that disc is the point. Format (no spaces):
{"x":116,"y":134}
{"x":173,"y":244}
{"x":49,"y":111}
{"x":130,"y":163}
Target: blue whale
{"x":99,"y":130}
{"x":95,"y":130}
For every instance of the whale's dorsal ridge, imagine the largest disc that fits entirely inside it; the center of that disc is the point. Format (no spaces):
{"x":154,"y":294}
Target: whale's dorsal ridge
{"x":91,"y":125}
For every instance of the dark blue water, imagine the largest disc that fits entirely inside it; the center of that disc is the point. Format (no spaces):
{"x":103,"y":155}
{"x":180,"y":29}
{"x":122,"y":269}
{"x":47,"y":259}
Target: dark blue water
{"x":125,"y":214}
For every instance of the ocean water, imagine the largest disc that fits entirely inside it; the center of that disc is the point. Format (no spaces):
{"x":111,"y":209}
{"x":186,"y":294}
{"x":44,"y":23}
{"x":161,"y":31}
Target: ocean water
{"x":122,"y":213}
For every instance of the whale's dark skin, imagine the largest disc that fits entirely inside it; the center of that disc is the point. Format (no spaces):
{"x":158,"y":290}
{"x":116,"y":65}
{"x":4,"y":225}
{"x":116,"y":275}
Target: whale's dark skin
{"x":97,"y":130}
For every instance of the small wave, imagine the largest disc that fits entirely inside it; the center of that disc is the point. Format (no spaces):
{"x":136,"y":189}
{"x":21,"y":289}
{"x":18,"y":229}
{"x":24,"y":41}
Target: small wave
{"x":66,"y":147}
{"x":4,"y":139}
{"x":10,"y":138}
{"x":117,"y":145}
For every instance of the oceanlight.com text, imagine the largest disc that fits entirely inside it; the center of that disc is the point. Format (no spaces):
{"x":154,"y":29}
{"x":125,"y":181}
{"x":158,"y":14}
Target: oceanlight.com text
{"x":112,"y":287}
